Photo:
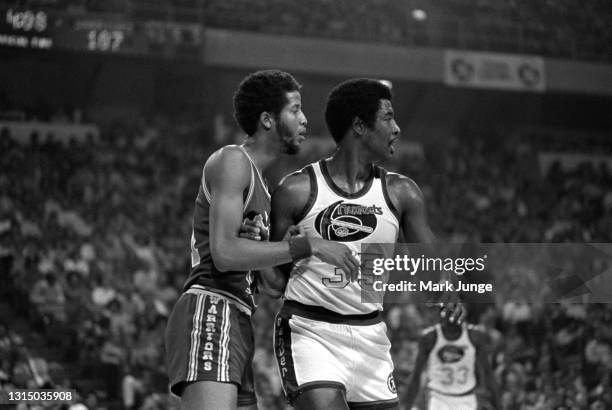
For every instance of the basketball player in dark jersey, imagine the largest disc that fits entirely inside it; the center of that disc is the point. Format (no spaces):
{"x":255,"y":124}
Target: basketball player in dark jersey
{"x":332,"y":350}
{"x":209,"y":339}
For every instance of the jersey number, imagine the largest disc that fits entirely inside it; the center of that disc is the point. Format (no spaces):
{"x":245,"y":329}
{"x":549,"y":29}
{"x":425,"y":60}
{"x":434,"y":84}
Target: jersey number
{"x":340,"y":279}
{"x":451,"y":375}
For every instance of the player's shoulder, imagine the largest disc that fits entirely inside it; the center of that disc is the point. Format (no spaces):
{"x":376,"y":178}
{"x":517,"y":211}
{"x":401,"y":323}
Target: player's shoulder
{"x":295,"y":194}
{"x":428,"y":336}
{"x":228,"y":162}
{"x":401,"y":188}
{"x":228,"y":154}
{"x":398,"y":181}
{"x":429,"y":330}
{"x":297,"y":181}
{"x":477,"y":333}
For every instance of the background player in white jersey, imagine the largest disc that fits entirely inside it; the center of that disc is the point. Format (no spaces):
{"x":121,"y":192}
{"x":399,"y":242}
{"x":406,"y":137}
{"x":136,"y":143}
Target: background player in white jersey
{"x":209,"y":339}
{"x":332,"y":349}
{"x":455,"y":360}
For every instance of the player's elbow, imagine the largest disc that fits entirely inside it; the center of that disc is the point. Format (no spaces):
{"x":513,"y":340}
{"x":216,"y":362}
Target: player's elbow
{"x":221,"y":258}
{"x":272,"y":282}
{"x":274,"y":289}
{"x":222,"y":264}
{"x":271,"y":292}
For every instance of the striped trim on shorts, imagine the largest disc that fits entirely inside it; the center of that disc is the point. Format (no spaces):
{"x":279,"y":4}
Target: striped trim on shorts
{"x":209,"y":338}
{"x":208,"y":310}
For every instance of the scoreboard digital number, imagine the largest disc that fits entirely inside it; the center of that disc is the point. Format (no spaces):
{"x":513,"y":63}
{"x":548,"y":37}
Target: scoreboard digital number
{"x":103,"y":35}
{"x":104,"y":40}
{"x":25,"y":29}
{"x":100,"y":35}
{"x":27,"y":21}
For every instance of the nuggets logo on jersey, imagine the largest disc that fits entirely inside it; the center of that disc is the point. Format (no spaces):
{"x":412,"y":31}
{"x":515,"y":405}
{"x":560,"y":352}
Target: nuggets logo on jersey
{"x":451,"y":353}
{"x":346,"y":222}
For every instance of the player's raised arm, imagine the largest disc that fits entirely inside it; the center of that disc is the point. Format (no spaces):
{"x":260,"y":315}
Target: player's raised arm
{"x":484,"y":372}
{"x":228,"y":175}
{"x":426,"y":344}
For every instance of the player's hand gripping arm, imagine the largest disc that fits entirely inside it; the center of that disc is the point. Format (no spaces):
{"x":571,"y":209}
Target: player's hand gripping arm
{"x":271,"y":281}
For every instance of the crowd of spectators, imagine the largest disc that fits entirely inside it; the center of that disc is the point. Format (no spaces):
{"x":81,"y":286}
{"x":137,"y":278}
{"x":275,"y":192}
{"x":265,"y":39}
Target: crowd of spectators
{"x":559,"y":28}
{"x":20,"y":369}
{"x":92,"y":243}
{"x":499,"y":193}
{"x":95,"y":245}
{"x":491,"y":190}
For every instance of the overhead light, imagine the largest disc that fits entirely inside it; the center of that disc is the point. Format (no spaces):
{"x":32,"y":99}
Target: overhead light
{"x":419,"y":15}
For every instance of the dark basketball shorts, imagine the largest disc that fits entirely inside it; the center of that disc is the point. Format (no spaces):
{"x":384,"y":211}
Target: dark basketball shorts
{"x":354,"y":358}
{"x":209,"y":338}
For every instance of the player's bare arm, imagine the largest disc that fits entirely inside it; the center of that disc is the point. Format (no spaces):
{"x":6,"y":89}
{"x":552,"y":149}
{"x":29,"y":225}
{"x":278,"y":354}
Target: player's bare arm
{"x":228,"y":174}
{"x":485,"y":375}
{"x":288,"y":201}
{"x":426,"y":344}
{"x":408,"y":199}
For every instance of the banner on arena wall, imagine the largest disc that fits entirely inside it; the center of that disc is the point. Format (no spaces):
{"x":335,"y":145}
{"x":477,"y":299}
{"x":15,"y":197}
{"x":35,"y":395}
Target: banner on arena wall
{"x":494,"y":70}
{"x":570,"y":161}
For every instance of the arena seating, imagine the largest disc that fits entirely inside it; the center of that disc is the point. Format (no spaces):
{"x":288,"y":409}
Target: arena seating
{"x":110,"y":221}
{"x":567,"y":28}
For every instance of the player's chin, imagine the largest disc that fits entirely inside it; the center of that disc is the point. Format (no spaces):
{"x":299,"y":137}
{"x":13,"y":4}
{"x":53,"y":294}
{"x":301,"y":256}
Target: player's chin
{"x":387,"y":154}
{"x":291,"y":149}
{"x":293,"y":146}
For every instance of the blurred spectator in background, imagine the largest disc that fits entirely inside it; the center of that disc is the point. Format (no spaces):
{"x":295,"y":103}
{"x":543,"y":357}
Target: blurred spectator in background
{"x":48,"y":298}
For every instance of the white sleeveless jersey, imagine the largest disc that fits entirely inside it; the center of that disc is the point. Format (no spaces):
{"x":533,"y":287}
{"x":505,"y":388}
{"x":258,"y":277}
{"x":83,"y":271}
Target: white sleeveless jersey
{"x":367,"y":216}
{"x":452,"y":364}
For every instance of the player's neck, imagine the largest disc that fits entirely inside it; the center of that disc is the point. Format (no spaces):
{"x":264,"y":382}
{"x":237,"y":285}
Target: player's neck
{"x":452,"y":333}
{"x":348,"y":164}
{"x":261,"y":152}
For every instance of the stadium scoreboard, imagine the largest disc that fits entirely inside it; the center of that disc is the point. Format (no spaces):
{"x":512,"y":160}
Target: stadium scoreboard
{"x":39,"y":29}
{"x":25,"y":29}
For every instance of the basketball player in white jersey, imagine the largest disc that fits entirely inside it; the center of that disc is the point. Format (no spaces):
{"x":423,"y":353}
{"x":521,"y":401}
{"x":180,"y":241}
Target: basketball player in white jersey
{"x":332,"y":349}
{"x":455,"y":360}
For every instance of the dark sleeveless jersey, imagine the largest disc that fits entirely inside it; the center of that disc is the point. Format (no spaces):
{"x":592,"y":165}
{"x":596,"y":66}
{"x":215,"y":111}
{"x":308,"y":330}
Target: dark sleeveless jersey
{"x":236,"y":285}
